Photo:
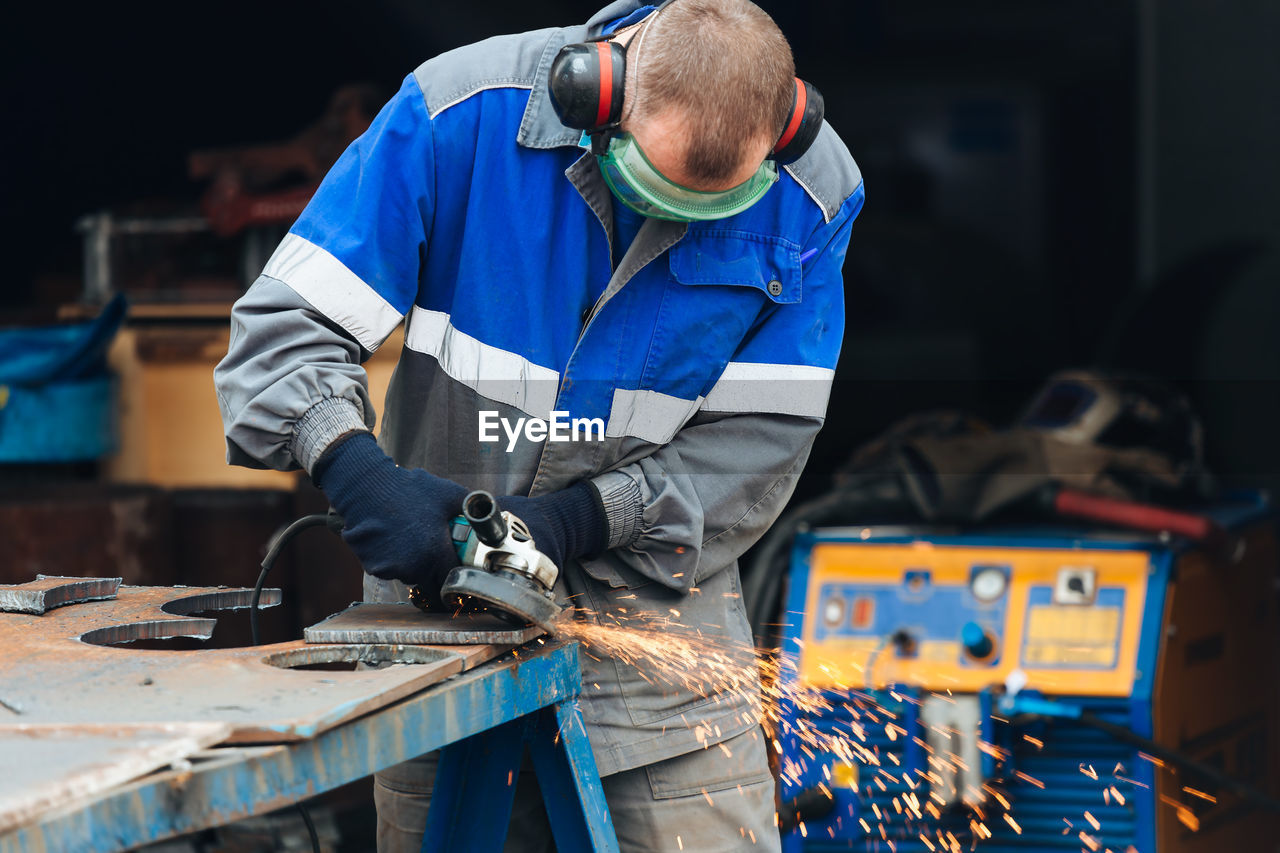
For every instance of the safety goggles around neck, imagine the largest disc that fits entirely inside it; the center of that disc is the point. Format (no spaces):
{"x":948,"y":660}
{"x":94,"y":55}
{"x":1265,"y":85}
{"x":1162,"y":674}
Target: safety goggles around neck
{"x":636,"y":183}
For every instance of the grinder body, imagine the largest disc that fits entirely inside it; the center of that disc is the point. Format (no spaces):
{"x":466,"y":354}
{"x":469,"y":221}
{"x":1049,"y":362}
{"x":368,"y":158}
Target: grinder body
{"x":502,"y":570}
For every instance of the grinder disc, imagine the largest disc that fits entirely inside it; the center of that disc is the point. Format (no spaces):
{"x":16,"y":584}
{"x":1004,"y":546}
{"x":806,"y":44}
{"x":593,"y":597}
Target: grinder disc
{"x":508,"y":595}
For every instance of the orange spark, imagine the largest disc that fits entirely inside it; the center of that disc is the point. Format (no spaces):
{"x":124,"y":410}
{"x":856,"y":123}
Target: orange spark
{"x":1201,"y":794}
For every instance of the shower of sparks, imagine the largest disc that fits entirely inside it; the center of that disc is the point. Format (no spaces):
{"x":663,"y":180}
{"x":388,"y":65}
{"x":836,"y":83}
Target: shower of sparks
{"x":839,"y":730}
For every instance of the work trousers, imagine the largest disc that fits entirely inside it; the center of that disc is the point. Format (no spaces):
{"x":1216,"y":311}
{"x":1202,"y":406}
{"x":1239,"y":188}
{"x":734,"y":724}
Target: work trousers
{"x":714,"y":800}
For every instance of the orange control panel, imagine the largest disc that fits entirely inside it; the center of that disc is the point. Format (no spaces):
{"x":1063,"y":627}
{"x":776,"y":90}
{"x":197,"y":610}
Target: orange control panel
{"x":961,"y":618}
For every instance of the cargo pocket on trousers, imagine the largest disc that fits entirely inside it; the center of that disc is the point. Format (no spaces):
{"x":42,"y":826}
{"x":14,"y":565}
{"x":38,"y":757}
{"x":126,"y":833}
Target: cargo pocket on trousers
{"x":738,"y":761}
{"x":415,"y":777}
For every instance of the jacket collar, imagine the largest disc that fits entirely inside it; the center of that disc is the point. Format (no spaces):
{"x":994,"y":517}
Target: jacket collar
{"x":615,"y":10}
{"x":540,"y":128}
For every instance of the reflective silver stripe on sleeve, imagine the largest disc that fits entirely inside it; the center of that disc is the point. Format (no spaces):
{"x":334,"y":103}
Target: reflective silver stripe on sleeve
{"x":335,"y":291}
{"x":784,"y":389}
{"x":648,"y":415}
{"x":502,"y":376}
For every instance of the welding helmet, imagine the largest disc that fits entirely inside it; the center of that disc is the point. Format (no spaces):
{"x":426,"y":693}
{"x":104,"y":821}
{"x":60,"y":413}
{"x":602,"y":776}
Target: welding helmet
{"x":636,"y":183}
{"x":1122,"y":412}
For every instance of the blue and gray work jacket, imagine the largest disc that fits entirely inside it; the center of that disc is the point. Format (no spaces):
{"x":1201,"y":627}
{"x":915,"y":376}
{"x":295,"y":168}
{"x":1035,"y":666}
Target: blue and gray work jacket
{"x":705,"y":355}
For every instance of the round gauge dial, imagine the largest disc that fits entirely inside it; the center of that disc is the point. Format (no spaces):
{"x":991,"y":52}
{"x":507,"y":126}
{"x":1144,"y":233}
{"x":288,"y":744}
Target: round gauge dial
{"x":988,"y":584}
{"x":833,"y":612}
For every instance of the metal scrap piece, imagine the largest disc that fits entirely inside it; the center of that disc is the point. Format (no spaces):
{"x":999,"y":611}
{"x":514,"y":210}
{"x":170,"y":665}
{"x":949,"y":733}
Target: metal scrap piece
{"x":367,"y":622}
{"x":50,"y":766}
{"x":49,"y":591}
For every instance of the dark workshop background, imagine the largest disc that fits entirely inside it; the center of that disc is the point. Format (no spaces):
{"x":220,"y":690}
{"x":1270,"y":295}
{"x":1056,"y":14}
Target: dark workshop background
{"x":1050,"y":184}
{"x":1040,"y":176}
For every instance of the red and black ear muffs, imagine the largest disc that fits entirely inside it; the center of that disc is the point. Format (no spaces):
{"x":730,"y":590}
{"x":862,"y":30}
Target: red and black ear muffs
{"x":587,"y":82}
{"x":801,"y":129}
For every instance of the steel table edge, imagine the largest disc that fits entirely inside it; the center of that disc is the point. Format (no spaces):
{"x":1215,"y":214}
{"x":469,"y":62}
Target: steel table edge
{"x":214,"y":793}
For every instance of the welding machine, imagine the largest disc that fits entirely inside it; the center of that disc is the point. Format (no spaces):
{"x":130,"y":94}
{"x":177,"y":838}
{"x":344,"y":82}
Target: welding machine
{"x":1043,"y":688}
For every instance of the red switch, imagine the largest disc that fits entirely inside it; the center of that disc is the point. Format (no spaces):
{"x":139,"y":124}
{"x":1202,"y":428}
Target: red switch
{"x":864,"y":612}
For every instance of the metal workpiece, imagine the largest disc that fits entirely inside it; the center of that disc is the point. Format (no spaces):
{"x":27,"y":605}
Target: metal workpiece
{"x":369,"y":622}
{"x":49,"y":591}
{"x":535,"y":687}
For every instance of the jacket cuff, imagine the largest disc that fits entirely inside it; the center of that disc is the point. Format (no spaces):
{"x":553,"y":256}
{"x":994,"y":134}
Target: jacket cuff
{"x":322,"y":425}
{"x":623,"y":507}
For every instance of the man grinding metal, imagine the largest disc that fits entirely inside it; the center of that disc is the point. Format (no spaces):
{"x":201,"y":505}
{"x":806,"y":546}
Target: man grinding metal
{"x":638,"y":223}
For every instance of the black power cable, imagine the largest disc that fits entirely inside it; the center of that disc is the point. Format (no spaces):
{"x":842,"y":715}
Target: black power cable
{"x":334,"y":522}
{"x":311,"y":827}
{"x":330,"y":519}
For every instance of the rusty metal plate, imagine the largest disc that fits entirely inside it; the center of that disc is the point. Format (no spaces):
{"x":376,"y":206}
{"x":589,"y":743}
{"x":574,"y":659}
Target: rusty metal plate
{"x":367,"y":622}
{"x":51,"y":766}
{"x":57,"y":670}
{"x":49,"y":591}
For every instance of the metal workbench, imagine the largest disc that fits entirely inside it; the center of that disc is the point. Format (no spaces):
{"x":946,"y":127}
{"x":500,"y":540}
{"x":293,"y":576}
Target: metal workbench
{"x":482,"y":717}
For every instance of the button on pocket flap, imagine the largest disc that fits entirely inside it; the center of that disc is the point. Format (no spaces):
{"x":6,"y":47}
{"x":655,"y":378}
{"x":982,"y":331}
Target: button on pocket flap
{"x":770,"y":264}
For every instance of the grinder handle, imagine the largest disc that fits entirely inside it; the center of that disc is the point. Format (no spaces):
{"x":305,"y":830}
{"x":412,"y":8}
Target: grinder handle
{"x":481,"y":511}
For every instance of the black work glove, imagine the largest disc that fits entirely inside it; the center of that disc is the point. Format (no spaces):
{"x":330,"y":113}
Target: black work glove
{"x":565,"y":525}
{"x":396,"y":520}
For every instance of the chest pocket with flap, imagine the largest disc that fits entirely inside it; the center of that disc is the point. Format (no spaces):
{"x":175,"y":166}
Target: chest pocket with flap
{"x":721,"y":284}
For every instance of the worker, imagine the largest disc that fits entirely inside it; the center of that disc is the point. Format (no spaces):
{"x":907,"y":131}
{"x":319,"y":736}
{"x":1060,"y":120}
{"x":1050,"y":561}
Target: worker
{"x":621,"y":318}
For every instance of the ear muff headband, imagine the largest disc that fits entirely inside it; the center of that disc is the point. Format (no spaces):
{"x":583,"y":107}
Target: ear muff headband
{"x":798,"y":100}
{"x":607,"y":99}
{"x":802,"y":127}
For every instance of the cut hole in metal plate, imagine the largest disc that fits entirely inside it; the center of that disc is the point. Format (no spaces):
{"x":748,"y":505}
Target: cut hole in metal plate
{"x":223,"y":599}
{"x":347,"y":657}
{"x":162,"y":629}
{"x":232,"y":608}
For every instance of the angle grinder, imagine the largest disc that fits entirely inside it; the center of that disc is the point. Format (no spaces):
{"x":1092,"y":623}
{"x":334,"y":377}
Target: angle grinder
{"x":502,"y":570}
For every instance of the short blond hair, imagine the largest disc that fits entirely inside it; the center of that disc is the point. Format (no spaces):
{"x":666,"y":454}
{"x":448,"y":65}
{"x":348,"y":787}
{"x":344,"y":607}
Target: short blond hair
{"x":727,"y":67}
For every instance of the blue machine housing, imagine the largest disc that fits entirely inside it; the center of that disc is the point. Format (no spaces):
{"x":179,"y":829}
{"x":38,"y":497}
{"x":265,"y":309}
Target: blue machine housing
{"x":1058,"y":775}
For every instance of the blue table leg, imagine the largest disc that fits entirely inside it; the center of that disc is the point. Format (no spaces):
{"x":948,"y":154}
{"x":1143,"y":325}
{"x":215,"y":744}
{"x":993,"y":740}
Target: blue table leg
{"x":570,"y":782}
{"x":474,"y":788}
